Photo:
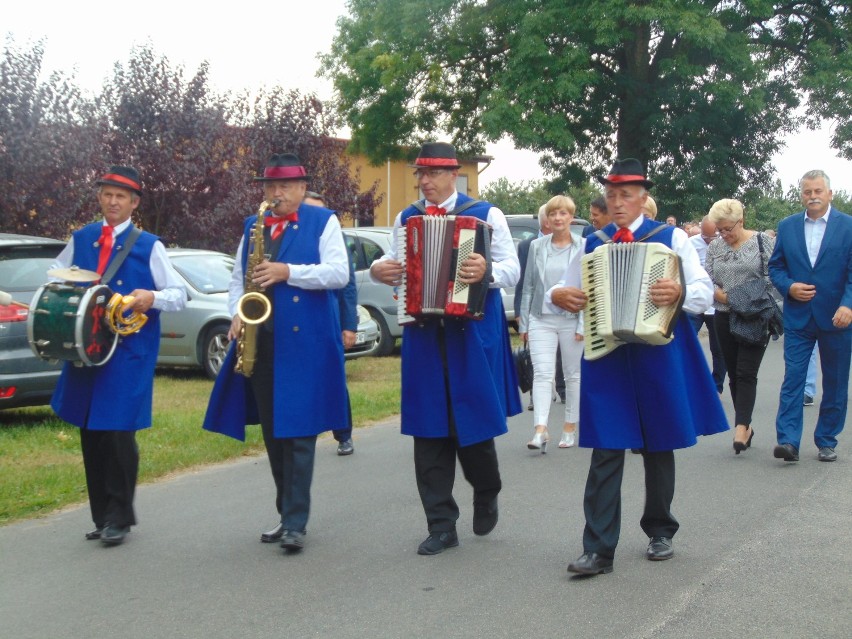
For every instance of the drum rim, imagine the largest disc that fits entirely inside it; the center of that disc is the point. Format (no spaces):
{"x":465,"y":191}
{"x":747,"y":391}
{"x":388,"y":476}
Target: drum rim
{"x":78,"y":327}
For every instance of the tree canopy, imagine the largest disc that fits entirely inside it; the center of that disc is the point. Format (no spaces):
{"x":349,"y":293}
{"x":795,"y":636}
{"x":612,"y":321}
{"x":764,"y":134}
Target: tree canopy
{"x":700,"y":91}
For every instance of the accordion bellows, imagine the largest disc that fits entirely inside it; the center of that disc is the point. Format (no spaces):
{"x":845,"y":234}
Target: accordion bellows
{"x":432,"y":249}
{"x":616,"y":279}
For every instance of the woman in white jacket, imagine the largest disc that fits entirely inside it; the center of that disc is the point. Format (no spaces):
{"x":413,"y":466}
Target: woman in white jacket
{"x":553,"y":261}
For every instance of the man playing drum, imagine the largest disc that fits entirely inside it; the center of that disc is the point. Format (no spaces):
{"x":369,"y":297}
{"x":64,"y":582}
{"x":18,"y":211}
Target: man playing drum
{"x":109,"y":403}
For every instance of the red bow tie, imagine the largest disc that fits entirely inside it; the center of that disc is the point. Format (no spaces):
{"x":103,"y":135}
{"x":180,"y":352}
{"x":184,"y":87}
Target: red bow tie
{"x":435,"y":210}
{"x":623,"y":235}
{"x":277,"y":222}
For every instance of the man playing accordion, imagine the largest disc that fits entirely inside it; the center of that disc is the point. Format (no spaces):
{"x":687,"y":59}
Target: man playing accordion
{"x":622,"y":407}
{"x":458,"y":378}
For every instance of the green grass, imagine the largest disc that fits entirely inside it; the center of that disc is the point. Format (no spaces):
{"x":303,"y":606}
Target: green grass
{"x":41,"y":467}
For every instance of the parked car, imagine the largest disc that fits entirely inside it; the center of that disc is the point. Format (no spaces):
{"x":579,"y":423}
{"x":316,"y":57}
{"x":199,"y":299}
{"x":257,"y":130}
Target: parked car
{"x":25,"y":380}
{"x":198,"y":334}
{"x":366,"y":245}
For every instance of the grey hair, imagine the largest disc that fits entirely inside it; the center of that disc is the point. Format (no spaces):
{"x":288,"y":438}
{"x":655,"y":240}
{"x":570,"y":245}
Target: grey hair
{"x":542,"y":215}
{"x":815,"y":175}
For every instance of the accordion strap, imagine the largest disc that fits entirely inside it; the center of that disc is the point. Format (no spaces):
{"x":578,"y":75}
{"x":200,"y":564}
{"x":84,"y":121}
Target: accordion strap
{"x":456,"y":211}
{"x":606,"y":239}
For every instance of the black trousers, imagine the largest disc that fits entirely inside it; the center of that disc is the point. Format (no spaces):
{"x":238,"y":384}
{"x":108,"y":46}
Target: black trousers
{"x":743,"y":362}
{"x":602,"y":499}
{"x":111,"y":461}
{"x":435,"y":469}
{"x":291,"y":459}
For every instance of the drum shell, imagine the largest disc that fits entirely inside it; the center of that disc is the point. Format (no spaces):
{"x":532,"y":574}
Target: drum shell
{"x":66,"y":322}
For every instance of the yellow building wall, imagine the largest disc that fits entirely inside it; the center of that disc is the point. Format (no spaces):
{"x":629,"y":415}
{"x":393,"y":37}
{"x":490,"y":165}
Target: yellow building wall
{"x":397,"y":186}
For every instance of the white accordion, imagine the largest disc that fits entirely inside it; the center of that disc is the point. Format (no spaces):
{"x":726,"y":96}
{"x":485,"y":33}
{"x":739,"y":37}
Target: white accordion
{"x":616,"y":279}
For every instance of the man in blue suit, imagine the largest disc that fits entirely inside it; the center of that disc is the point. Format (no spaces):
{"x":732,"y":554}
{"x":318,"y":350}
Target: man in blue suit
{"x":812,"y":268}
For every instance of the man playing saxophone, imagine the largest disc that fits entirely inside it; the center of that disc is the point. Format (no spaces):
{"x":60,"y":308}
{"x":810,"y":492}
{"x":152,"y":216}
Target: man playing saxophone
{"x":296,"y":388}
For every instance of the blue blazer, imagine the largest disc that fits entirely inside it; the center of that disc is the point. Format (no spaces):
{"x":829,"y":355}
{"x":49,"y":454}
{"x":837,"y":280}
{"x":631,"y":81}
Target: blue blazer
{"x":831,"y":273}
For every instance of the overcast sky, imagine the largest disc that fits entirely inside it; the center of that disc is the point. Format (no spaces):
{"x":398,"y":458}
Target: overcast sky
{"x":255,"y":43}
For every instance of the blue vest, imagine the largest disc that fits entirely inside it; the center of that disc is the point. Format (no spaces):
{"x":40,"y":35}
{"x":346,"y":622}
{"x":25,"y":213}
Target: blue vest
{"x":117,"y":395}
{"x":309,"y":376}
{"x":482,"y":382}
{"x":653,"y":397}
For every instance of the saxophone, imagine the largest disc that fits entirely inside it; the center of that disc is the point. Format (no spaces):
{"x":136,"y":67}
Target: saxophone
{"x":254,"y":308}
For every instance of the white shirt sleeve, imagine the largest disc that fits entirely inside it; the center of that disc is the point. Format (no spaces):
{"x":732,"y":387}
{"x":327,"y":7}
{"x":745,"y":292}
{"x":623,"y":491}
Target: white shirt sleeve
{"x":237,"y":283}
{"x":505,"y":267}
{"x":333,"y":269}
{"x":699,"y":288}
{"x":171,"y":291}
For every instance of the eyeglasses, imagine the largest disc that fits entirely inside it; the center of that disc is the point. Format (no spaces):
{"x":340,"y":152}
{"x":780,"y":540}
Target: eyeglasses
{"x":419,"y":174}
{"x":730,"y":230}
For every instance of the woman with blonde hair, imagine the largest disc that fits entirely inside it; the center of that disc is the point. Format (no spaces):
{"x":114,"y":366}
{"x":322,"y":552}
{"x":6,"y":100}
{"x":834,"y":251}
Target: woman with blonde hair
{"x":553,"y":261}
{"x":735,"y":257}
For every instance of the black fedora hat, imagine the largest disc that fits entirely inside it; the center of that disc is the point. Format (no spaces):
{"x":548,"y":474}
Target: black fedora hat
{"x":437,"y":155}
{"x":283,"y":166}
{"x":627,"y":171}
{"x":124,"y":176}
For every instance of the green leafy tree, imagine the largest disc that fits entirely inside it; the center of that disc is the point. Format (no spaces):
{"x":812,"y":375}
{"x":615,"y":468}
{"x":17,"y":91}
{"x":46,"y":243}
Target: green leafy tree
{"x":700,"y":91}
{"x":516,"y":197}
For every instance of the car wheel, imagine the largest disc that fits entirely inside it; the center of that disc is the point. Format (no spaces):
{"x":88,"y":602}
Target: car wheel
{"x":214,"y":349}
{"x":385,"y":343}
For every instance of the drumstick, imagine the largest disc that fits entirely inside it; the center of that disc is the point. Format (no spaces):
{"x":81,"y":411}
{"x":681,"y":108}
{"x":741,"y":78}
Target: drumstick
{"x":6,"y":300}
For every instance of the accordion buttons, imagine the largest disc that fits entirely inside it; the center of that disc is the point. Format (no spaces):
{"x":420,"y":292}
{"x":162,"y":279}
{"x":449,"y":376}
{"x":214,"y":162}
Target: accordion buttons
{"x":296,"y":298}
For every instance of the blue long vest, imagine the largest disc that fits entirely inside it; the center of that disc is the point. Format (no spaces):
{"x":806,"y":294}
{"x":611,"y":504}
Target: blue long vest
{"x":117,"y":395}
{"x":653,"y":397}
{"x":309,"y":376}
{"x":483,"y":385}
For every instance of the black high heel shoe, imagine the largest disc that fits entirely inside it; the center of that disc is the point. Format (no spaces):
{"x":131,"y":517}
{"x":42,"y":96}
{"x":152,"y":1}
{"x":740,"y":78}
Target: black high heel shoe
{"x":741,"y":446}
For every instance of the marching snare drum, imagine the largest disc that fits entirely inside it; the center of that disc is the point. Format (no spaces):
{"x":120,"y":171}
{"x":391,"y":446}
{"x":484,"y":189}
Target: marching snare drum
{"x":66,"y":322}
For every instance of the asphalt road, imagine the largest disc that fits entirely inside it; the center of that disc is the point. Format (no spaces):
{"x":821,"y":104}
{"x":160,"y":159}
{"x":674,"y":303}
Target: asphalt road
{"x":764,"y":550}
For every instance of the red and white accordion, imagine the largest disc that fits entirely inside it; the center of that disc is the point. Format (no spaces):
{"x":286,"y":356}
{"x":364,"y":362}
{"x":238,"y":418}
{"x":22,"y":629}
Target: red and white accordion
{"x":431,"y":249}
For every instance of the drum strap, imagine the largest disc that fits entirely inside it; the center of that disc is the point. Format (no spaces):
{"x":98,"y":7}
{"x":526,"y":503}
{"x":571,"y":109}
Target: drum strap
{"x":121,"y":255}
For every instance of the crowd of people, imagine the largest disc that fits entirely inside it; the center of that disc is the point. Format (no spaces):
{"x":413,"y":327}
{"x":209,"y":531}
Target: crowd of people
{"x":459,"y":382}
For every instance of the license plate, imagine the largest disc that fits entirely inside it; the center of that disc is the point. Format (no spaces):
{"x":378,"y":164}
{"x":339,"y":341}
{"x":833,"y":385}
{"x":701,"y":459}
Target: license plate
{"x":360,"y":337}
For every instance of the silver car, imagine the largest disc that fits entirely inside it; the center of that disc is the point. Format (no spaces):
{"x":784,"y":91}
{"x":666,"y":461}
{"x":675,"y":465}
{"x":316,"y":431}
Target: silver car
{"x":25,"y":380}
{"x":198,"y":335}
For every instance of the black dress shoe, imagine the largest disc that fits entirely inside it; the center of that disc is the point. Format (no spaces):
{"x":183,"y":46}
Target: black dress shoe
{"x":826,"y":453}
{"x":591,"y":563}
{"x":271,"y":536}
{"x":113,"y":535}
{"x":437,"y":542}
{"x":484,"y":517}
{"x":95,"y":534}
{"x":660,"y":549}
{"x":787,"y":452}
{"x":293,"y":540}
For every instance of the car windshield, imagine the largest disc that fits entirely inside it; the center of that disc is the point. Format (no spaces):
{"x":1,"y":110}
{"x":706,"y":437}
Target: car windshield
{"x":24,"y":268}
{"x":208,"y":273}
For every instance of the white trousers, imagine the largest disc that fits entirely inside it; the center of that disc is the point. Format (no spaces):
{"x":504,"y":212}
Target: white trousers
{"x":545,"y":334}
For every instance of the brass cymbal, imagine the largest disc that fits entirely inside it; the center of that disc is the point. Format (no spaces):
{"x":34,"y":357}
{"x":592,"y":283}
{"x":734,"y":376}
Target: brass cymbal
{"x":74,"y":274}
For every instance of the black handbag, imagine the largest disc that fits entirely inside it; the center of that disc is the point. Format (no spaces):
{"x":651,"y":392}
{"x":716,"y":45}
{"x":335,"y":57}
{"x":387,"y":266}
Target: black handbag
{"x":755,"y":316}
{"x":524,"y":367}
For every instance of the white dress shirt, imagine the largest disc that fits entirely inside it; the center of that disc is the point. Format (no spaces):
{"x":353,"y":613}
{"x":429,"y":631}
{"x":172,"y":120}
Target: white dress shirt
{"x":505,"y":267}
{"x":814,"y":232}
{"x":171,"y":291}
{"x":331,"y":272}
{"x":701,"y":248}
